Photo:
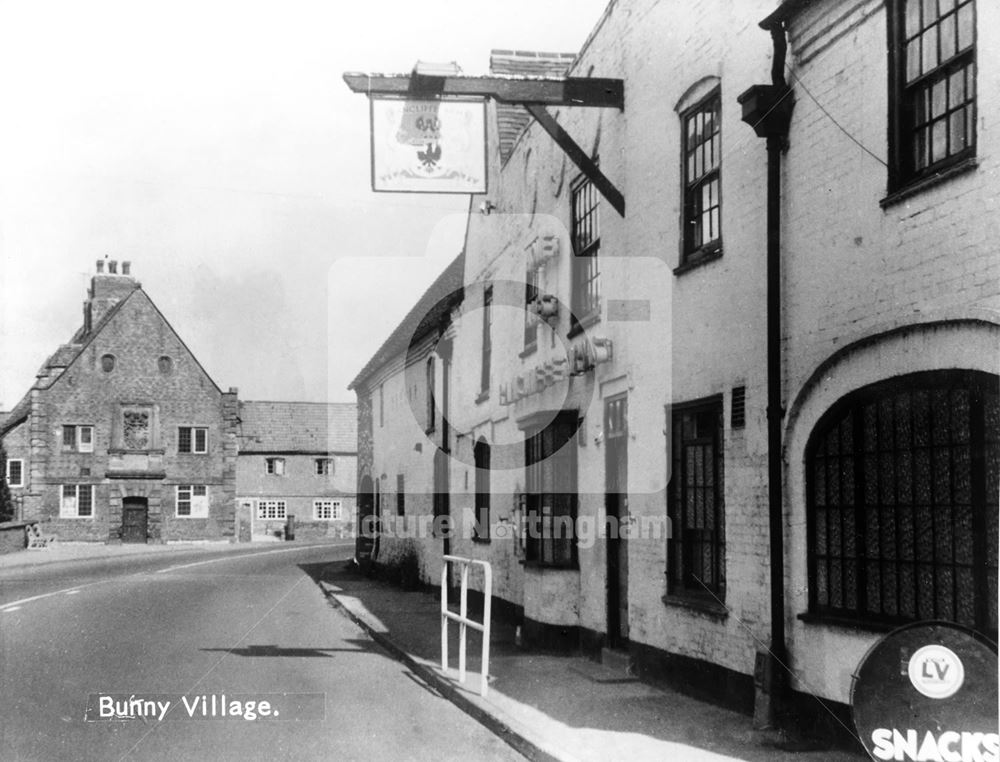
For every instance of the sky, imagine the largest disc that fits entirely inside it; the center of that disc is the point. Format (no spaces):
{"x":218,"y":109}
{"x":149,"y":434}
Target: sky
{"x":215,"y":146}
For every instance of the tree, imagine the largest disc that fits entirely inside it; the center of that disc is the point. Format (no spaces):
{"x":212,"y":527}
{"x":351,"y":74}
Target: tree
{"x":6,"y":501}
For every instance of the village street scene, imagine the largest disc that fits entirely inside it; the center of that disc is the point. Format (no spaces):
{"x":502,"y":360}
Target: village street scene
{"x":615,"y":380}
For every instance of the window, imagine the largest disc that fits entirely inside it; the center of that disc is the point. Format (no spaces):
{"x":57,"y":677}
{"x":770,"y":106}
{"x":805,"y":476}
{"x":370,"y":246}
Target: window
{"x":933,"y":87}
{"x":165,"y":364}
{"x":15,"y":473}
{"x":586,"y":296}
{"x":484,"y":375}
{"x":551,"y":500}
{"x":271,"y":509}
{"x":531,"y":283}
{"x":325,"y":510}
{"x":192,"y":439}
{"x":702,"y":201}
{"x":274,"y":466}
{"x":76,"y":501}
{"x":400,"y":495}
{"x":696,"y":551}
{"x":429,"y":380}
{"x":481,"y":455}
{"x":902,"y":499}
{"x":192,"y":501}
{"x":738,"y":408}
{"x":79,"y":438}
{"x":107,"y":363}
{"x":323,"y":466}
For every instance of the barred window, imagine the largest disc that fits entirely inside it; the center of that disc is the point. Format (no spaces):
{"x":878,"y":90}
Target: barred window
{"x":586,"y":296}
{"x":902,"y":502}
{"x":696,"y":557}
{"x":933,"y":70}
{"x":550,"y":506}
{"x":702,"y":183}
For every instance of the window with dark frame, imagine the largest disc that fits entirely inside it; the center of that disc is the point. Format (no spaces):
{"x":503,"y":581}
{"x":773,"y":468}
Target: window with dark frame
{"x":550,"y":501}
{"x":902,"y":502}
{"x":932,"y":71}
{"x":274,"y":466}
{"x":484,"y":375}
{"x":702,"y":157}
{"x":79,"y":438}
{"x":585,"y":301}
{"x":323,"y":466}
{"x":696,"y":549}
{"x":481,"y":456}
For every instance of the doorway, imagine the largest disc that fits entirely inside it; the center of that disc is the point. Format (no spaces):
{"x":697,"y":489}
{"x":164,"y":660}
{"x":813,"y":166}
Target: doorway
{"x":617,"y":517}
{"x":135,"y":519}
{"x":365,"y":544}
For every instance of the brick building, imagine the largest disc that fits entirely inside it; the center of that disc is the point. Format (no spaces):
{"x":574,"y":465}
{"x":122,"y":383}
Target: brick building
{"x":296,"y":459}
{"x":610,"y":371}
{"x":124,"y":437}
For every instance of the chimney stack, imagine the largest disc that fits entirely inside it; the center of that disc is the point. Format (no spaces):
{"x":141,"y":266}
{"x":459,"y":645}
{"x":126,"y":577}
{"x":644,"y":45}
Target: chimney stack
{"x":100,"y":266}
{"x":125,"y":267}
{"x":113,"y":267}
{"x":106,"y":290}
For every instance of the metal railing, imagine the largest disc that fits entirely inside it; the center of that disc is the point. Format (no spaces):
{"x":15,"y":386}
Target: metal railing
{"x":462,"y":617}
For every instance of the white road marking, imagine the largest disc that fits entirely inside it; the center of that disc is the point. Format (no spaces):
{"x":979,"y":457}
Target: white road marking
{"x":247,"y":555}
{"x":15,"y":605}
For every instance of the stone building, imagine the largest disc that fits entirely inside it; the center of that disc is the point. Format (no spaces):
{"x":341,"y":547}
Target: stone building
{"x":296,"y":459}
{"x":124,"y":437}
{"x":609,"y":375}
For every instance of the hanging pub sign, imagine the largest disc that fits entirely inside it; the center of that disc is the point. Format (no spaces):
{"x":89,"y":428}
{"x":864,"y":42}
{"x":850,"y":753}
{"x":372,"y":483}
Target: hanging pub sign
{"x":928,"y":691}
{"x":428,"y":145}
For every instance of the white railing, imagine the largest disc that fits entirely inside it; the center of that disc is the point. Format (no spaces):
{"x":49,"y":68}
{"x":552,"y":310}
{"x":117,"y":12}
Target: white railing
{"x":463,"y":620}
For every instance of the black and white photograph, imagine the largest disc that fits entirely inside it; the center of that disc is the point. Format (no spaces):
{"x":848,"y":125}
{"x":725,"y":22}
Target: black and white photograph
{"x":568,"y":381}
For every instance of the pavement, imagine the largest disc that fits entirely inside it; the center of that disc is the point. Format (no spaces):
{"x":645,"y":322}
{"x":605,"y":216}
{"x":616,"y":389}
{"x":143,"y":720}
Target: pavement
{"x":555,"y":707}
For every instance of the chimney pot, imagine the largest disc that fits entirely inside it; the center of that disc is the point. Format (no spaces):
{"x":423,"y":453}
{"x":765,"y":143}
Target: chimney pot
{"x":125,"y":267}
{"x":113,"y":267}
{"x":100,"y":266}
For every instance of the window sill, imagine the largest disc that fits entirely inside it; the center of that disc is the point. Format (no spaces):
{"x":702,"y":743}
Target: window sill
{"x":697,"y":259}
{"x":483,"y":396}
{"x":581,"y":325}
{"x":541,"y":566}
{"x":918,"y":186}
{"x":711,"y":608}
{"x":481,"y":540}
{"x":847,"y":623}
{"x":529,"y":350}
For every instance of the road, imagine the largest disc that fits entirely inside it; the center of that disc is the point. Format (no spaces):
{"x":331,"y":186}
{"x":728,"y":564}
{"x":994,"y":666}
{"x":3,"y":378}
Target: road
{"x":179,"y":626}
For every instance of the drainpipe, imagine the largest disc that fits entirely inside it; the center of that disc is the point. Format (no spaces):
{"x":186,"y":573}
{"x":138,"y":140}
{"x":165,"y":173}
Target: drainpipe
{"x":768,"y":109}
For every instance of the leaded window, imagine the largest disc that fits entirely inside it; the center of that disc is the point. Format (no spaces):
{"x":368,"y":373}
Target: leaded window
{"x":902,"y":502}
{"x":696,"y":552}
